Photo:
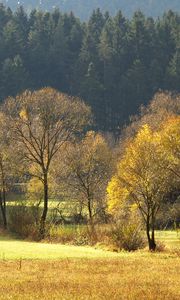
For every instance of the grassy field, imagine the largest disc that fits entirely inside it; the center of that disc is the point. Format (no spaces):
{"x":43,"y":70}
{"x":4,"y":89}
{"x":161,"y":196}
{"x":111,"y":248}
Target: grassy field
{"x":11,"y":249}
{"x":15,"y":249}
{"x":135,"y":276}
{"x":169,"y":238}
{"x":32,"y":271}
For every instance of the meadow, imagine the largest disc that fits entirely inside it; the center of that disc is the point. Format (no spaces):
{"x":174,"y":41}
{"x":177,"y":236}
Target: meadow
{"x":52,"y":271}
{"x":135,"y":276}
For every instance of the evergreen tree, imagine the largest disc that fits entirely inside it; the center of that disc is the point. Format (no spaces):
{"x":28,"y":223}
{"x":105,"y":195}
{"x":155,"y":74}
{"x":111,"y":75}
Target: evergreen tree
{"x":14,"y":77}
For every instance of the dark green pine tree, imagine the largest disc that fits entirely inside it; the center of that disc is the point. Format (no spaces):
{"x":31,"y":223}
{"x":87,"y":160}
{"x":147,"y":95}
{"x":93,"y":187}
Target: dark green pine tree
{"x":39,"y":41}
{"x":73,"y":31}
{"x":92,"y":91}
{"x":122,"y":61}
{"x":89,"y":65}
{"x":166,"y":43}
{"x":135,"y":88}
{"x":90,"y":44}
{"x":14,"y":77}
{"x":135,"y":80}
{"x":139,"y":38}
{"x":108,"y":76}
{"x":22,"y":30}
{"x":173,"y":72}
{"x":58,"y":56}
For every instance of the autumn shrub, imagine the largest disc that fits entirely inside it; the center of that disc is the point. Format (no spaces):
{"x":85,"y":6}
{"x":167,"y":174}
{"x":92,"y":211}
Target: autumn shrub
{"x":80,"y":234}
{"x":103,"y":233}
{"x":126,"y":231}
{"x":160,"y":246}
{"x":22,"y":221}
{"x":69,"y":234}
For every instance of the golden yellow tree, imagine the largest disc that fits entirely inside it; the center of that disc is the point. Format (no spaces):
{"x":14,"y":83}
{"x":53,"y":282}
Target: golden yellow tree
{"x":142,"y":179}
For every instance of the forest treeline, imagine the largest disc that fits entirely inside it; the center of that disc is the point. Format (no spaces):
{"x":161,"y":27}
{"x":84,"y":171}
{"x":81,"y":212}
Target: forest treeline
{"x":114,"y":64}
{"x":83,"y":9}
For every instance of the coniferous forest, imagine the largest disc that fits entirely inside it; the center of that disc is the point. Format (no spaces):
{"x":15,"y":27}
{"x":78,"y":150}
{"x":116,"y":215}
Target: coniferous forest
{"x":113,"y":63}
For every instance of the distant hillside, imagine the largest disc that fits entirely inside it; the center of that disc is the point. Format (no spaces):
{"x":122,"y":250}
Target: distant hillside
{"x":83,"y":8}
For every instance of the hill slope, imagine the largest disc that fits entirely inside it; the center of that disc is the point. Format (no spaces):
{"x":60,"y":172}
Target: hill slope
{"x":83,"y":8}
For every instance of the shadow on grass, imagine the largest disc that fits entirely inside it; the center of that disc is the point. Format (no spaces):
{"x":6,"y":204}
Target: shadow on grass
{"x":7,"y":236}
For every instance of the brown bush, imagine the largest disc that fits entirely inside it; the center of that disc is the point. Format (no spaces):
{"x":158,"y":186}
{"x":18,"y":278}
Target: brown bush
{"x":160,"y":247}
{"x":69,"y":234}
{"x":21,"y":221}
{"x":126,"y":231}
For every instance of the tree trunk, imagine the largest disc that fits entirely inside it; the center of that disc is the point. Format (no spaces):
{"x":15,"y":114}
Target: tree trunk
{"x":3,"y":196}
{"x":153,"y":243}
{"x":89,"y":209}
{"x":92,"y":232}
{"x":91,"y":222}
{"x":42,"y":230}
{"x":3,"y":211}
{"x":151,"y":238}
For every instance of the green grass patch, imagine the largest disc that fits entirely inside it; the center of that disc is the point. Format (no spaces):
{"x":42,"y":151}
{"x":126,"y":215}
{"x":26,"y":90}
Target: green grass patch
{"x":13,"y":249}
{"x":169,"y":238}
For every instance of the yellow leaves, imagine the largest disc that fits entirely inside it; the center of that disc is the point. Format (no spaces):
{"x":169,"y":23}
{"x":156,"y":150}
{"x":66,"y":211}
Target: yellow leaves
{"x":92,"y":150}
{"x":144,"y":134}
{"x":143,"y":172}
{"x":23,"y":114}
{"x":138,"y":156}
{"x":170,"y":142}
{"x":143,"y":138}
{"x":93,"y":140}
{"x":170,"y":132}
{"x":117,"y":194}
{"x":35,"y":186}
{"x":134,"y":207}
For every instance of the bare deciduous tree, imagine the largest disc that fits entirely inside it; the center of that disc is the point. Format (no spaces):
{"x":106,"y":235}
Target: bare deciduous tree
{"x":87,"y":169}
{"x":41,"y":122}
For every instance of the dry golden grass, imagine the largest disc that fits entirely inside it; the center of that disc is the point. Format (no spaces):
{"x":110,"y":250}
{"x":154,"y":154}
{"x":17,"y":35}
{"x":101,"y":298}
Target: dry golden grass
{"x":139,"y":275}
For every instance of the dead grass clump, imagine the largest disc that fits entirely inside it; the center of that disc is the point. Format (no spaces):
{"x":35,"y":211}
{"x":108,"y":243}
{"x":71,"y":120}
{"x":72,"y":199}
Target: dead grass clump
{"x":176,"y":251}
{"x":160,"y":247}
